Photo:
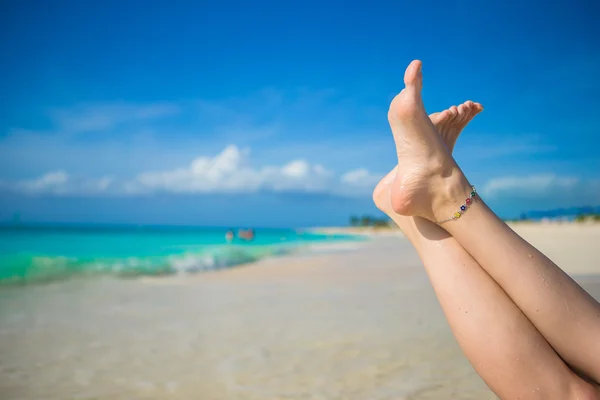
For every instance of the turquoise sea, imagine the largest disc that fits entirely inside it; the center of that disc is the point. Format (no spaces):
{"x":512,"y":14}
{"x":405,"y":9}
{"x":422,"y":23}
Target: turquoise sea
{"x":33,"y":254}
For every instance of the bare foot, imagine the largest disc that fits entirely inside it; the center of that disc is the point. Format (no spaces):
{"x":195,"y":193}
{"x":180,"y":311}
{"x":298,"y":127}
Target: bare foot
{"x":449,"y":124}
{"x":427,"y":179}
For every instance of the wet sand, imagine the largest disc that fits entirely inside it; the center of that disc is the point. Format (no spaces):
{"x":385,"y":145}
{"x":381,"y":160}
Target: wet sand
{"x":362,"y":324}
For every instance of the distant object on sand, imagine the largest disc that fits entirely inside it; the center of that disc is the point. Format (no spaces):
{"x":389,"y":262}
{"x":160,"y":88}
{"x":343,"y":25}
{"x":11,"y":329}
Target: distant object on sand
{"x":246,"y":234}
{"x":243,"y":234}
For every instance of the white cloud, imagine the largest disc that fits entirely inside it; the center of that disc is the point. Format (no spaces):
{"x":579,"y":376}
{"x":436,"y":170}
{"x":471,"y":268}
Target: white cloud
{"x":141,"y":136}
{"x":544,"y":191}
{"x":101,"y":117}
{"x":61,"y":183}
{"x":50,"y":182}
{"x":529,"y":185}
{"x":361,"y":177}
{"x":230,"y":171}
{"x":296,"y":169}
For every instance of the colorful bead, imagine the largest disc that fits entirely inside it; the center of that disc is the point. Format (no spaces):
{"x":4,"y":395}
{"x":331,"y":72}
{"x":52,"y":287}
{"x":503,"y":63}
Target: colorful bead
{"x":463,"y":208}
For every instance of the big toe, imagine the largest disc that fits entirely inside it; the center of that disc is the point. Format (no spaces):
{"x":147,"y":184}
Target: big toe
{"x":408,"y":103}
{"x":413,"y":77}
{"x":442,"y":119}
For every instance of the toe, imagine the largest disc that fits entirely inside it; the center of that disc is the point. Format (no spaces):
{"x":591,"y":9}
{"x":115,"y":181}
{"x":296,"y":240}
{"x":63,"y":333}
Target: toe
{"x":474,"y":110}
{"x":471,"y":110}
{"x":436,"y":117}
{"x":463,"y":113}
{"x":408,"y":105}
{"x":447,"y":116}
{"x":413,"y":76}
{"x":450,"y":115}
{"x":453,"y":116}
{"x":440,"y":118}
{"x":470,"y":107}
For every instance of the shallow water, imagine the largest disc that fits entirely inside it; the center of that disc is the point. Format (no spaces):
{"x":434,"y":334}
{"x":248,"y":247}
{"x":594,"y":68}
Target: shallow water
{"x":45,"y":253}
{"x":350,"y":325}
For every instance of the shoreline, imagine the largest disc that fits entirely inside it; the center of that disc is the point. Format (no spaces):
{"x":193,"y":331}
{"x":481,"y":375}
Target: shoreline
{"x":362,"y":324}
{"x":20,"y":267}
{"x":392,"y":228}
{"x":571,"y":245}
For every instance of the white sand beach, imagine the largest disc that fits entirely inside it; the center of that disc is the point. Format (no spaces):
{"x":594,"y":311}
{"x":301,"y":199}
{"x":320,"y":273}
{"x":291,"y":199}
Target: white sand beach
{"x":352,"y":324}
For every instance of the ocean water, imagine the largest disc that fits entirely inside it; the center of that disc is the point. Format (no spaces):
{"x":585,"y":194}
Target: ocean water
{"x":33,"y":254}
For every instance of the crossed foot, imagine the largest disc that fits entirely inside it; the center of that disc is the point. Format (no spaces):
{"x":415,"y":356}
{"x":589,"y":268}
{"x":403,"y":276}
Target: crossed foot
{"x":427,"y":181}
{"x":449,"y":125}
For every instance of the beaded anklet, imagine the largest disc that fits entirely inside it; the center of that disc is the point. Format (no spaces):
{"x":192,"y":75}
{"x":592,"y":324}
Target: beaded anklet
{"x":463,"y":208}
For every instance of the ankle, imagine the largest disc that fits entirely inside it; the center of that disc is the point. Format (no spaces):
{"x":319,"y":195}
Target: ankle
{"x":454,"y":189}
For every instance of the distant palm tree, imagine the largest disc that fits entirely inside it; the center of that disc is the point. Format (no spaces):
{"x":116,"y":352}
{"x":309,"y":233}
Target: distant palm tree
{"x":523,"y":217}
{"x":381,"y":222}
{"x":368,"y":220}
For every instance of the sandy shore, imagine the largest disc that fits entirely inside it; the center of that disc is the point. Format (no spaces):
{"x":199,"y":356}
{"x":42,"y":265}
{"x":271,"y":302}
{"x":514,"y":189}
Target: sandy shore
{"x":362,"y":324}
{"x":570,"y":245}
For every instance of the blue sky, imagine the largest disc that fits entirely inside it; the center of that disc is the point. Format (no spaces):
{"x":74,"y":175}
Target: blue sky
{"x":273,"y":113}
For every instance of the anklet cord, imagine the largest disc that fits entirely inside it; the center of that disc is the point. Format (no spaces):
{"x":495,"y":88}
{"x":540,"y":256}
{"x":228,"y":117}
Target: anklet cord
{"x":463,"y":208}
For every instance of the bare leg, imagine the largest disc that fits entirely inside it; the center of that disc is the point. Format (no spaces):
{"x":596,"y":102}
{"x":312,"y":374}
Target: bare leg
{"x":567,"y":316}
{"x":430,"y":184}
{"x":520,"y":363}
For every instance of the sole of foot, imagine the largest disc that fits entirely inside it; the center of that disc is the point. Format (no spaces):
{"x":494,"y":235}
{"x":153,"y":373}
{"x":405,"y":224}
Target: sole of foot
{"x":427,"y":181}
{"x":449,"y":124}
